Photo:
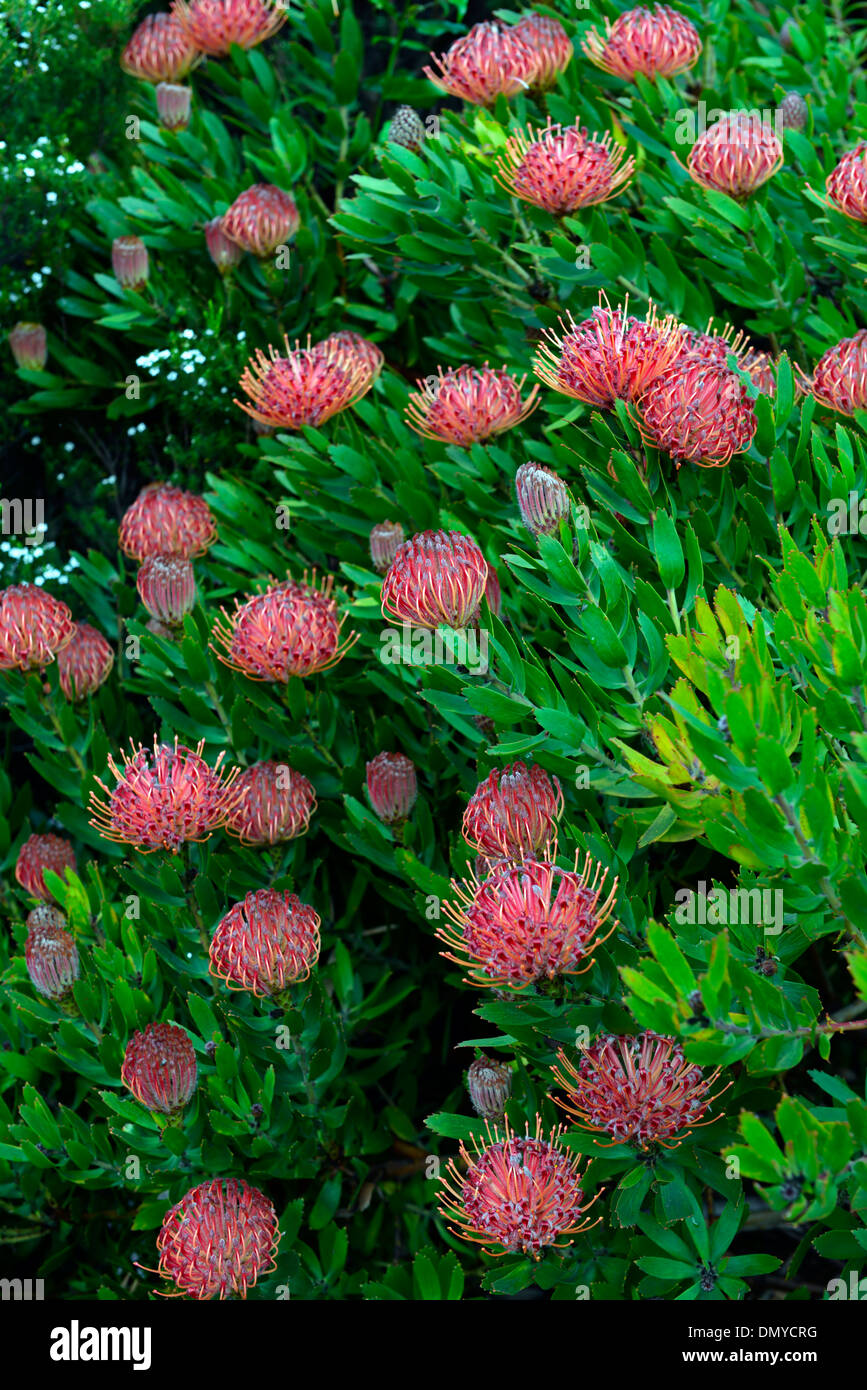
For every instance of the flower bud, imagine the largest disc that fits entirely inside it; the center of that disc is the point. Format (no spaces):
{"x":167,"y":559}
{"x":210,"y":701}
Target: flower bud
{"x":392,"y":786}
{"x":173,"y":105}
{"x":489,"y":1084}
{"x":543,"y":499}
{"x":159,"y":1067}
{"x":167,"y":587}
{"x":129,"y":262}
{"x":384,"y":541}
{"x":52,"y":959}
{"x":407,"y":129}
{"x":29,"y":347}
{"x":224,"y":253}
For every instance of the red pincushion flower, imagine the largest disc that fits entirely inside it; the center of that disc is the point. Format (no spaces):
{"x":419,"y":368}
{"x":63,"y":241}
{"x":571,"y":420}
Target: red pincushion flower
{"x":164,"y":799}
{"x":610,"y":356}
{"x":560,"y":170}
{"x":306,"y":387}
{"x":159,"y":50}
{"x":41,"y":852}
{"x":29,"y":346}
{"x":698,"y":412}
{"x":292,"y":629}
{"x":469,"y":405}
{"x":657,"y":42}
{"x":527,"y":922}
{"x":840,"y":378}
{"x":436,"y":577}
{"x":273,"y":804}
{"x":640,"y":1090}
{"x":550,"y":44}
{"x":129,"y":262}
{"x":214,"y":25}
{"x":362,"y":350}
{"x":261,"y":219}
{"x":385,"y":538}
{"x":489,"y":1084}
{"x":173,"y":106}
{"x":736,"y":155}
{"x":718,"y":347}
{"x":492,"y":59}
{"x":167,"y":587}
{"x":544,"y":499}
{"x":163,"y":520}
{"x":514,"y":812}
{"x":520,"y":1193}
{"x":846,"y":185}
{"x":84,"y":663}
{"x":159,"y":1067}
{"x":266,"y":943}
{"x":34,"y":627}
{"x":218,"y":1240}
{"x":224,"y":253}
{"x":392,"y":786}
{"x":52,"y":958}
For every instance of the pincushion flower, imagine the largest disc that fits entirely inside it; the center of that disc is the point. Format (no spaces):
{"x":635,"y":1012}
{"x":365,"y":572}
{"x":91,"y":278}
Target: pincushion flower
{"x":718,"y":347}
{"x":164,"y":520}
{"x":436,"y":577}
{"x":225,"y":254}
{"x":173,"y":106}
{"x":34,"y":627}
{"x":266,"y":944}
{"x":469,"y":405}
{"x":840,"y":377}
{"x":129,"y":262}
{"x":292,"y":629}
{"x":159,"y":50}
{"x":657,"y":42}
{"x":639,"y":1090}
{"x":609,"y":356}
{"x":846,"y":185}
{"x":85,"y":663}
{"x":491,"y":60}
{"x":261,"y":219}
{"x":29,"y":346}
{"x":218,"y":1240}
{"x":514,"y":812}
{"x":357,"y":348}
{"x":385,"y":538}
{"x":527,"y":922}
{"x":520,"y":1193}
{"x":392,"y":786}
{"x":167,"y":587}
{"x":306,"y":386}
{"x":214,"y":25}
{"x":489,"y":1084}
{"x":41,"y":852}
{"x":52,"y":960}
{"x":698,"y":412}
{"x":550,"y":44}
{"x":159,"y":1067}
{"x":544,"y":499}
{"x":273,"y":804}
{"x":736,"y":155}
{"x":164,"y":798}
{"x":559,"y":169}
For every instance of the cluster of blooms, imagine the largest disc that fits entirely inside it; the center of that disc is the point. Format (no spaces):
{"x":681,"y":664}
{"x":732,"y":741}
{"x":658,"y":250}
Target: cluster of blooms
{"x":496,"y":59}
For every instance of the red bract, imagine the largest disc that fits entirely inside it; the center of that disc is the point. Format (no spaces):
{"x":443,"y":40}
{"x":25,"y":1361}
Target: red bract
{"x":489,"y":1084}
{"x":384,"y":541}
{"x":469,"y":405}
{"x":639,"y":1090}
{"x":698,"y":412}
{"x":273,"y":803}
{"x":129,"y":262}
{"x":52,"y":958}
{"x":527,"y":922}
{"x":173,"y":106}
{"x":840,"y":378}
{"x":518,"y":1193}
{"x":84,"y":663}
{"x":544,"y":499}
{"x":514,"y":812}
{"x":436,"y":577}
{"x":292,"y":629}
{"x":214,"y":25}
{"x":261,"y":219}
{"x":159,"y":50}
{"x":735,"y":156}
{"x":490,"y":60}
{"x":306,"y":387}
{"x":163,"y":520}
{"x":846,"y":185}
{"x":609,"y":356}
{"x":34,"y":627}
{"x":657,"y":42}
{"x":551,"y":46}
{"x":159,"y":1067}
{"x":29,"y":346}
{"x":559,"y":169}
{"x":41,"y":852}
{"x":392,"y":786}
{"x":167,"y":587}
{"x":218,"y":1240}
{"x":224,"y":253}
{"x":266,"y":943}
{"x":164,"y":798}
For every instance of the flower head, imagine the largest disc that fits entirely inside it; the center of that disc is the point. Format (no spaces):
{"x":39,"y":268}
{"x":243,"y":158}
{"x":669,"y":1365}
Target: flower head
{"x":489,"y":1084}
{"x":639,"y":1090}
{"x":218,"y":1239}
{"x":159,"y":50}
{"x":469,"y":405}
{"x":163,"y":520}
{"x":491,"y":60}
{"x":550,"y":44}
{"x":610,"y":356}
{"x":84,"y":663}
{"x":167,"y":587}
{"x":273,"y":804}
{"x":173,"y":105}
{"x":163,"y":799}
{"x":214,"y":25}
{"x":225,"y":253}
{"x":527,"y":922}
{"x":657,"y":42}
{"x":840,"y":377}
{"x":306,"y":387}
{"x":41,"y":852}
{"x":846,"y":185}
{"x":292,"y":629}
{"x":261,"y":219}
{"x":34,"y":627}
{"x":736,"y":155}
{"x":358,"y":349}
{"x":519,"y":1192}
{"x":544,"y":499}
{"x":129,"y":262}
{"x":559,"y":169}
{"x":699,"y":412}
{"x":159,"y":1067}
{"x":514,"y":812}
{"x":29,"y":346}
{"x":718,"y":347}
{"x":52,"y":957}
{"x":266,"y":943}
{"x":385,"y":538}
{"x":436,"y":577}
{"x":392,"y":786}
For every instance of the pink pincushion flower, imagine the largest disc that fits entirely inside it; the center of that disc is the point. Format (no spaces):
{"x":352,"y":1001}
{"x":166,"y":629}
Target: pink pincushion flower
{"x":167,"y":587}
{"x":559,"y":169}
{"x":306,"y":387}
{"x":159,"y":1067}
{"x":85,"y":663}
{"x":657,"y":42}
{"x":292,"y":629}
{"x":41,"y":852}
{"x":218,"y":1240}
{"x":492,"y":59}
{"x":846,"y":185}
{"x":214,"y":25}
{"x":163,"y":520}
{"x":513,"y":813}
{"x":736,"y":155}
{"x":469,"y":405}
{"x":358,"y":349}
{"x":550,"y":44}
{"x":34,"y":627}
{"x":52,"y":959}
{"x":839,"y":381}
{"x":610,"y":356}
{"x":436,"y":578}
{"x":273,"y":804}
{"x":698,"y":412}
{"x":392,"y":786}
{"x":261,"y":219}
{"x":164,"y":798}
{"x":159,"y":50}
{"x":266,"y":943}
{"x":718,"y":347}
